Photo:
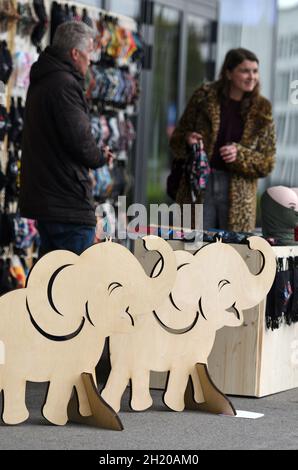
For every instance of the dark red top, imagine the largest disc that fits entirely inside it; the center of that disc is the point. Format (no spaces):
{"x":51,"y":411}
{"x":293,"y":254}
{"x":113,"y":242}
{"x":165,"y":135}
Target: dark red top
{"x":231,"y":130}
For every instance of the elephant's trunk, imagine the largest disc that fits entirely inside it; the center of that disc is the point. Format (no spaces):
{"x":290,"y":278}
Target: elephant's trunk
{"x":257,"y":286}
{"x":163,"y":282}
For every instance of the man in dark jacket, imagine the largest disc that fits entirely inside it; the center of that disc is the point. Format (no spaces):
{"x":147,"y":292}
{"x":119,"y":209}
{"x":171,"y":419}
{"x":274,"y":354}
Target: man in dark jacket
{"x":58,"y":146}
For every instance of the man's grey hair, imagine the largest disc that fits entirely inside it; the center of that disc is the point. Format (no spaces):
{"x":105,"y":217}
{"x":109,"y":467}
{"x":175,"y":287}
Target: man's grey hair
{"x":73,"y":35}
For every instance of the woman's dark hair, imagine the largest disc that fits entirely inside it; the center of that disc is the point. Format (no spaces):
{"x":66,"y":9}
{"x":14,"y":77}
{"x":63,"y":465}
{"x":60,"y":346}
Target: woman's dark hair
{"x":233,"y":58}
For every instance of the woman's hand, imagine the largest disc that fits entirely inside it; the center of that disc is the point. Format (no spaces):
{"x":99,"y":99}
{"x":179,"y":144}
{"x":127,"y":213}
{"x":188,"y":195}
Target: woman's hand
{"x":228,"y":153}
{"x":193,"y":138}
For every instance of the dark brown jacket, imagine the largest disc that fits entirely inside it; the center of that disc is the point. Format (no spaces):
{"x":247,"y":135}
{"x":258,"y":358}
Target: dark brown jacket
{"x":58,"y":148}
{"x":256,"y":151}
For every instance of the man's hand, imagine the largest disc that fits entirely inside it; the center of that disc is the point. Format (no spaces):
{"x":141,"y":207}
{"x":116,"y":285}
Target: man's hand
{"x":193,"y":138}
{"x":228,"y":153}
{"x":109,"y":156}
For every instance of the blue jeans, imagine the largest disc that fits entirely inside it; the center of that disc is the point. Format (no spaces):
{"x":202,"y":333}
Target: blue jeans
{"x":216,"y":201}
{"x":60,"y":236}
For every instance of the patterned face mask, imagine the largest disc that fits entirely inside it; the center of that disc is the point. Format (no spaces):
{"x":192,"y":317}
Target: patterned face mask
{"x":4,"y":122}
{"x":198,"y":170}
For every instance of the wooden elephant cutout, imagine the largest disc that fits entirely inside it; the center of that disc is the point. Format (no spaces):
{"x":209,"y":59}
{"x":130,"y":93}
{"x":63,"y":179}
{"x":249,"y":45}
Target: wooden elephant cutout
{"x":54,"y":329}
{"x":212,"y":288}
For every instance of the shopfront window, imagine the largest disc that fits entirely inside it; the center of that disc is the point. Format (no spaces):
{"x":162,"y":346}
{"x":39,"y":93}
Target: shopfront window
{"x":249,"y":24}
{"x":92,"y":3}
{"x":286,"y":109}
{"x":128,"y":8}
{"x":199,"y":54}
{"x":164,"y":99}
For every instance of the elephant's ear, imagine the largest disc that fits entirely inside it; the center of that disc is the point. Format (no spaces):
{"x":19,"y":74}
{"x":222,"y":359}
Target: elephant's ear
{"x":48,"y":264}
{"x":50,"y":313}
{"x":182,"y":258}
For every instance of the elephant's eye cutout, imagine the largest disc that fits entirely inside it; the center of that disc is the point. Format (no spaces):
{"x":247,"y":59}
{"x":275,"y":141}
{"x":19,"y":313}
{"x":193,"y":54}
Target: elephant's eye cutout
{"x":113,"y":286}
{"x":223,"y":283}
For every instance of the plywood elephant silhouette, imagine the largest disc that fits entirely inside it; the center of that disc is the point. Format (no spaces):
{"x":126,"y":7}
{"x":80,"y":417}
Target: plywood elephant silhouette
{"x":54,"y":329}
{"x":212,"y":288}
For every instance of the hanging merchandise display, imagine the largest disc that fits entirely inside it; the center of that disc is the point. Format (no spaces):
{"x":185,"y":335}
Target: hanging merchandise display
{"x":282,"y":300}
{"x":18,"y":236}
{"x":114,"y":91}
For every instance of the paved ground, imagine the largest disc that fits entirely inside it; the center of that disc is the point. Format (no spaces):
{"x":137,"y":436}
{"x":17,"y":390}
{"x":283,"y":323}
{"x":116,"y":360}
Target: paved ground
{"x":163,"y":430}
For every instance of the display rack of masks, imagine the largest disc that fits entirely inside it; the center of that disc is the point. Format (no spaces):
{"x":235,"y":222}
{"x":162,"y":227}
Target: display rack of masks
{"x":18,"y":236}
{"x":113,"y":93}
{"x":23,"y":26}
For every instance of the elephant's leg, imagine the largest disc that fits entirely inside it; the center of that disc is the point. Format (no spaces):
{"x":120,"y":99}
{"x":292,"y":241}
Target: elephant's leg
{"x":15,"y":410}
{"x":198,"y":391}
{"x":141,"y":398}
{"x":115,"y":387}
{"x":177,"y":382}
{"x":84,"y":407}
{"x":55,"y":408}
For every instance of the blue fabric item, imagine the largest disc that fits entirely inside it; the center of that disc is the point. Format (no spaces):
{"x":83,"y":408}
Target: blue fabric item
{"x":60,"y":236}
{"x":104,"y":183}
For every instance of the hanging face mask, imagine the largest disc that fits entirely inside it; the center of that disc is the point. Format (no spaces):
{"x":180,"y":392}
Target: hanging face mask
{"x":7,"y":281}
{"x":7,"y":232}
{"x":86,"y":18}
{"x":104,"y":183}
{"x":5,"y":62}
{"x":3,"y":180}
{"x":2,"y":92}
{"x":4,"y":122}
{"x":198,"y":171}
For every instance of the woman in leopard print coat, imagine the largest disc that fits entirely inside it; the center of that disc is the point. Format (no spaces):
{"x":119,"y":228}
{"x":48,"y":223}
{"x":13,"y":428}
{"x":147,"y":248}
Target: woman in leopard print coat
{"x":246,"y":160}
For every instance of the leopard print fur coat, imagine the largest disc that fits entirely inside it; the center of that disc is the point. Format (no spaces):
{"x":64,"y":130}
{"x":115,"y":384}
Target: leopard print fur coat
{"x":255,"y":157}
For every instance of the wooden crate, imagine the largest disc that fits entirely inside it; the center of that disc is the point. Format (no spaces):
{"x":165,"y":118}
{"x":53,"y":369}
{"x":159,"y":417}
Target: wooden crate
{"x":249,"y":360}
